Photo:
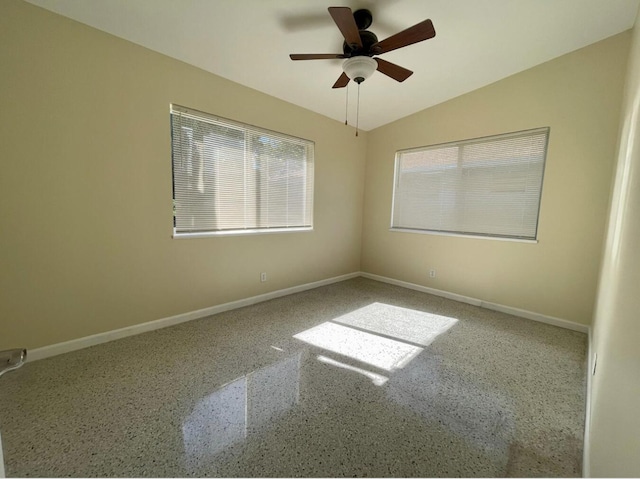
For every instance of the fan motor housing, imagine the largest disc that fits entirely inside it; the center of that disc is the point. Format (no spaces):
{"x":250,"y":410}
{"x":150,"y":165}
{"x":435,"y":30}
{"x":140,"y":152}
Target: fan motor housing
{"x":368,"y":40}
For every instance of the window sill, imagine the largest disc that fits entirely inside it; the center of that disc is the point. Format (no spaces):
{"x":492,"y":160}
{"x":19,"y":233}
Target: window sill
{"x":248,"y":232}
{"x":440,"y":233}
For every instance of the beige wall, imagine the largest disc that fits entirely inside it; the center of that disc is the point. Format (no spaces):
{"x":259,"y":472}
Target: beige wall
{"x":86,"y":208}
{"x":578,"y":95}
{"x":86,"y":212}
{"x":615,"y":421}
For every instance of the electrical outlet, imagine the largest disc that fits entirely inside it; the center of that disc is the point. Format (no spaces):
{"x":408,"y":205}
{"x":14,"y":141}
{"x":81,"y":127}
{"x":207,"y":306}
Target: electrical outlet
{"x":432,"y":273}
{"x":263,"y":277}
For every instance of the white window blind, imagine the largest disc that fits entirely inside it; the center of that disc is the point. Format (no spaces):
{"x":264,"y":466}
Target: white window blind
{"x":488,"y":187}
{"x":229,"y":177}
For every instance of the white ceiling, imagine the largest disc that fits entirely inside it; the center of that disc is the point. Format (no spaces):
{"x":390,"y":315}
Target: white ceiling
{"x":248,"y":41}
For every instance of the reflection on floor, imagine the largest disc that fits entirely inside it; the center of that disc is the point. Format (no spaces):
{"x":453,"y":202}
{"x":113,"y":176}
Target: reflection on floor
{"x":249,"y":403}
{"x":357,"y":378}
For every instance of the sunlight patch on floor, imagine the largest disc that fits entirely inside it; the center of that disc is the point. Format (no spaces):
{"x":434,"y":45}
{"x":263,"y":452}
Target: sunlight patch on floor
{"x":405,"y":324}
{"x":381,"y":335}
{"x":383,"y":353}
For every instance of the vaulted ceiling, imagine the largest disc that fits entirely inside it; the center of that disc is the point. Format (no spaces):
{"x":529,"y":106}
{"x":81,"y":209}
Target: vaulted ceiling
{"x":248,"y":41}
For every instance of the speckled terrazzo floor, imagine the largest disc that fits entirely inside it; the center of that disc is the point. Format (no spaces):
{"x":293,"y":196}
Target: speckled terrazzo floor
{"x":358,"y":378}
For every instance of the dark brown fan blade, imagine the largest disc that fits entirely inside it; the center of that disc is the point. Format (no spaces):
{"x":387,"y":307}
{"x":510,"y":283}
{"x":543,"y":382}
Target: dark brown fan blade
{"x":392,"y":70}
{"x":342,"y":82}
{"x":417,"y":33}
{"x":315,"y":56}
{"x":347,"y":25}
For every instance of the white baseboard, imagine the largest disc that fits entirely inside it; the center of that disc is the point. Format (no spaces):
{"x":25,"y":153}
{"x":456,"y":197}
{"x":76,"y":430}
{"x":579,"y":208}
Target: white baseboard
{"x":586,"y":443}
{"x":542,"y":318}
{"x":85,"y":342}
{"x":563,"y":323}
{"x":423,"y":289}
{"x":1,"y":460}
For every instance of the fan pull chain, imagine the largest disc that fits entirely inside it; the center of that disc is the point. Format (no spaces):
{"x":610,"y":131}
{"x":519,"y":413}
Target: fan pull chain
{"x":346,"y":110}
{"x":358,"y":110}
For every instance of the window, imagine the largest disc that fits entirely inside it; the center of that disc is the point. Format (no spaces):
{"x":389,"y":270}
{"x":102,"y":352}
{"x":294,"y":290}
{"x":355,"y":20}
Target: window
{"x":483,"y":187}
{"x":234,"y":178}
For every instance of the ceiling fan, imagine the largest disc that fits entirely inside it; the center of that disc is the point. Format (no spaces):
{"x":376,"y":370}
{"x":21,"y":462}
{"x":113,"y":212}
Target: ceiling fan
{"x":360,"y":46}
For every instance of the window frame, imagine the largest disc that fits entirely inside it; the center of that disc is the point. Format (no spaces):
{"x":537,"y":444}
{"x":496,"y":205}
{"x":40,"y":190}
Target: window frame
{"x":198,"y":115}
{"x":483,"y":139}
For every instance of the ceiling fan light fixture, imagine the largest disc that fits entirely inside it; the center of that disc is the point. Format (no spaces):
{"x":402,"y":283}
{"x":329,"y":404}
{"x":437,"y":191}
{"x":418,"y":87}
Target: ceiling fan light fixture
{"x":359,"y":68}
